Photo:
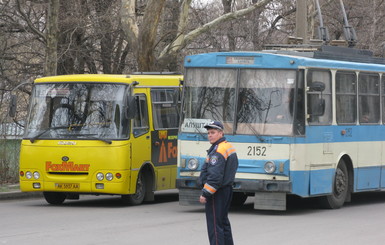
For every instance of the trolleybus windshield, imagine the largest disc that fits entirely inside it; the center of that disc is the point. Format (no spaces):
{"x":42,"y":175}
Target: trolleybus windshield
{"x":257,"y":101}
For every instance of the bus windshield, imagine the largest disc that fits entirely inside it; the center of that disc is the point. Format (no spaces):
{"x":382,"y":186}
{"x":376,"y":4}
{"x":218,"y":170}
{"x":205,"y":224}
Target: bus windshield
{"x":247,"y":101}
{"x":77,"y":111}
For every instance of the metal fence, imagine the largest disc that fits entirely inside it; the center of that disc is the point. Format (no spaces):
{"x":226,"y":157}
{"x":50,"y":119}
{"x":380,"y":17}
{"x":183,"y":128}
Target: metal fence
{"x":11,"y":131}
{"x":10,"y":138}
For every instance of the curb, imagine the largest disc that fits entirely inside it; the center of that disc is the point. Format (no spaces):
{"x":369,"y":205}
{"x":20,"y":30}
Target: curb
{"x":12,"y":195}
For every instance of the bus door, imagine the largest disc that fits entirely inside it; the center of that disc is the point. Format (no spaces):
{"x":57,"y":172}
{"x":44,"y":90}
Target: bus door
{"x":369,"y":106}
{"x":140,"y":140}
{"x":164,"y":137}
{"x":319,"y":110}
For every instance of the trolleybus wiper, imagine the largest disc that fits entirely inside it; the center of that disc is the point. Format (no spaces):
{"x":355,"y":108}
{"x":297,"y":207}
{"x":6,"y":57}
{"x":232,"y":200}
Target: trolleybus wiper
{"x":197,"y":129}
{"x":255,"y":132}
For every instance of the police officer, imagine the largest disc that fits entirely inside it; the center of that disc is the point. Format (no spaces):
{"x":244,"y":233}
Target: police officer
{"x":217,"y":177}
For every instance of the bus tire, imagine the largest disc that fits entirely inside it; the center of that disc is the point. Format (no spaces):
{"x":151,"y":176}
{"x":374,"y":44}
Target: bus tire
{"x":340,"y":188}
{"x":54,"y":198}
{"x":239,"y":198}
{"x":138,"y":197}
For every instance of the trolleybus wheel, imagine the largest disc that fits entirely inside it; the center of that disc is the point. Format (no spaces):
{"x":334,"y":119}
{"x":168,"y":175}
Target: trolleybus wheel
{"x":138,"y":197}
{"x":239,"y":198}
{"x":54,"y":198}
{"x":340,"y":188}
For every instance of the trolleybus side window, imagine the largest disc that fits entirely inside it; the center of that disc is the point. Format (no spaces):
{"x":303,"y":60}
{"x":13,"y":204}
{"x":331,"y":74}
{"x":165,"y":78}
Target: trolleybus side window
{"x":164,"y":108}
{"x":141,"y":116}
{"x":299,"y":119}
{"x":346,"y":97}
{"x":383,"y":97}
{"x":369,"y":97}
{"x":319,"y":97}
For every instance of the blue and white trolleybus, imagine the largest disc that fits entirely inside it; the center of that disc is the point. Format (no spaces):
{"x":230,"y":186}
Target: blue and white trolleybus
{"x":304,"y":124}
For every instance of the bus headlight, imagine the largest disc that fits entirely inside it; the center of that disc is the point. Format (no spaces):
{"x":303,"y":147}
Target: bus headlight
{"x":192,"y":164}
{"x":36,"y":175}
{"x":28,"y":175}
{"x":100,"y":176}
{"x":269,"y":167}
{"x":109,"y":176}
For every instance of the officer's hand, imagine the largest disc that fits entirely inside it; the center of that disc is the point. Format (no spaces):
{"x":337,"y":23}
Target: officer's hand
{"x":202,"y":199}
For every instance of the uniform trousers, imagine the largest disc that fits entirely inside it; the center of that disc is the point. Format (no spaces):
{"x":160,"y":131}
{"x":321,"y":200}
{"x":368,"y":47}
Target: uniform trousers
{"x":218,"y":224}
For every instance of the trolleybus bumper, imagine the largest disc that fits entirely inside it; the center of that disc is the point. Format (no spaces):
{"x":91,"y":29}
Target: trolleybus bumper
{"x":269,"y":194}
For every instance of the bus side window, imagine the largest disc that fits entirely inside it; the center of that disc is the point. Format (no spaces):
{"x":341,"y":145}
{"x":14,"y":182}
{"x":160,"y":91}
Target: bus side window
{"x":165,"y":108}
{"x":346,"y":97}
{"x":369,"y":98}
{"x":141,"y":118}
{"x":383,"y":97}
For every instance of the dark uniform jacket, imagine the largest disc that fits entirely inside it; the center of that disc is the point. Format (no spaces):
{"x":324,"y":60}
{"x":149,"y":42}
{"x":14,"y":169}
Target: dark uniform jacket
{"x":219,"y":168}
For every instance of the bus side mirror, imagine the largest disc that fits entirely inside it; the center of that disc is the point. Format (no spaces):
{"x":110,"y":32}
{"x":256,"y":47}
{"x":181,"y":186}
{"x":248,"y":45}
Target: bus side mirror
{"x":130,"y":108}
{"x":12,"y":106}
{"x":317,"y":86}
{"x":317,"y":107}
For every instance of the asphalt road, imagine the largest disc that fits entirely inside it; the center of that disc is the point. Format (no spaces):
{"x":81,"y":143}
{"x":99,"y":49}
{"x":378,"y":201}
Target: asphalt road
{"x":104,"y":220}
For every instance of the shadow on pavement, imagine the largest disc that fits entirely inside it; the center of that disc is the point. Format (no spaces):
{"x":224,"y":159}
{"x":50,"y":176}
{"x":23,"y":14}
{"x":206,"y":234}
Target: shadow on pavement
{"x":298,"y":206}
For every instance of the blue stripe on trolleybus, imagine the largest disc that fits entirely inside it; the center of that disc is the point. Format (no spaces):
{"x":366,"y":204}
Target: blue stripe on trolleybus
{"x":314,"y":134}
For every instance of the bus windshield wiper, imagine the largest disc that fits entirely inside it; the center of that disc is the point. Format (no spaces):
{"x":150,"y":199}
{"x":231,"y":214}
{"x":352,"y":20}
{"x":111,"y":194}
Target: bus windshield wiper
{"x":101,"y":139}
{"x":91,"y":136}
{"x":34,"y":138}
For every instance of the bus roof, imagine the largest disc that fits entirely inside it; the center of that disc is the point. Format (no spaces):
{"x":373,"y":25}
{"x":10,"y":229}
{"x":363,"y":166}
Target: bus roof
{"x":143,"y":79}
{"x":273,"y":60}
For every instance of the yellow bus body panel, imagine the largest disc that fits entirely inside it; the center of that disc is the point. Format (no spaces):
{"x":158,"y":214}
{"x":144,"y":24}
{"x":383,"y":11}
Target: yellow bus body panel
{"x":85,"y":160}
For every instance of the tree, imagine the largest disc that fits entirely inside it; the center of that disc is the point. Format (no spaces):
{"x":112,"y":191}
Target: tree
{"x":50,"y":64}
{"x":184,"y":38}
{"x":143,"y":37}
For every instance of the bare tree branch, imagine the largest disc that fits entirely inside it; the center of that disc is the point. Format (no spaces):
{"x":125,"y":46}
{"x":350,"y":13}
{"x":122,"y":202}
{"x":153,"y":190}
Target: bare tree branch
{"x":183,"y":40}
{"x":29,"y":23}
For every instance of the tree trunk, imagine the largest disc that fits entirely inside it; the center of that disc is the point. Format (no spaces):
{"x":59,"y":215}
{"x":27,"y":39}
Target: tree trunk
{"x":106,"y":44}
{"x":129,"y":22}
{"x":50,"y":66}
{"x":230,"y":30}
{"x":147,"y":35}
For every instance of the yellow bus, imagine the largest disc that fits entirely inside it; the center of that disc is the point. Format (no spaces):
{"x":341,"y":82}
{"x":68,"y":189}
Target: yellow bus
{"x":101,"y":134}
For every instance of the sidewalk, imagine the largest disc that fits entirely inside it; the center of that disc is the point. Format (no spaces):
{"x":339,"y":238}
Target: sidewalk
{"x":12,"y":191}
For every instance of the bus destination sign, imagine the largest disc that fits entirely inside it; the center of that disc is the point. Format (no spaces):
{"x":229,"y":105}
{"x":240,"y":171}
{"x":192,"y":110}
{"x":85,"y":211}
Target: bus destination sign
{"x":240,"y":60}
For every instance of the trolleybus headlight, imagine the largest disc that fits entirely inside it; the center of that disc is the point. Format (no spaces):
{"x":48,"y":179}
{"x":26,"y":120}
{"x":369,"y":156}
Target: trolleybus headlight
{"x":269,"y":167}
{"x":36,"y":175}
{"x":192,"y":164}
{"x":100,"y":176}
{"x":28,"y":175}
{"x":109,"y":176}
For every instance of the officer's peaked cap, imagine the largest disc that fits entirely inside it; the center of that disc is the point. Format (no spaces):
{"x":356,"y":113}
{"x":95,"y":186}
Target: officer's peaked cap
{"x":214,"y":125}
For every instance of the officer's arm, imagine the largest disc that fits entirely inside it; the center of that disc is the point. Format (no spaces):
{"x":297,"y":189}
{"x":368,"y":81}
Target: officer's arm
{"x":202,"y":176}
{"x":215,"y":172}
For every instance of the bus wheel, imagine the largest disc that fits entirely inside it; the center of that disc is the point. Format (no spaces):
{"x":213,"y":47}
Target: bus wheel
{"x":340,"y":188}
{"x":138,"y":197}
{"x":239,"y":198}
{"x":54,"y":198}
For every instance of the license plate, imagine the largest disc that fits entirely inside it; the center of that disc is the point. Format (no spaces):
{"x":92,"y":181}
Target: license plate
{"x":67,"y":186}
